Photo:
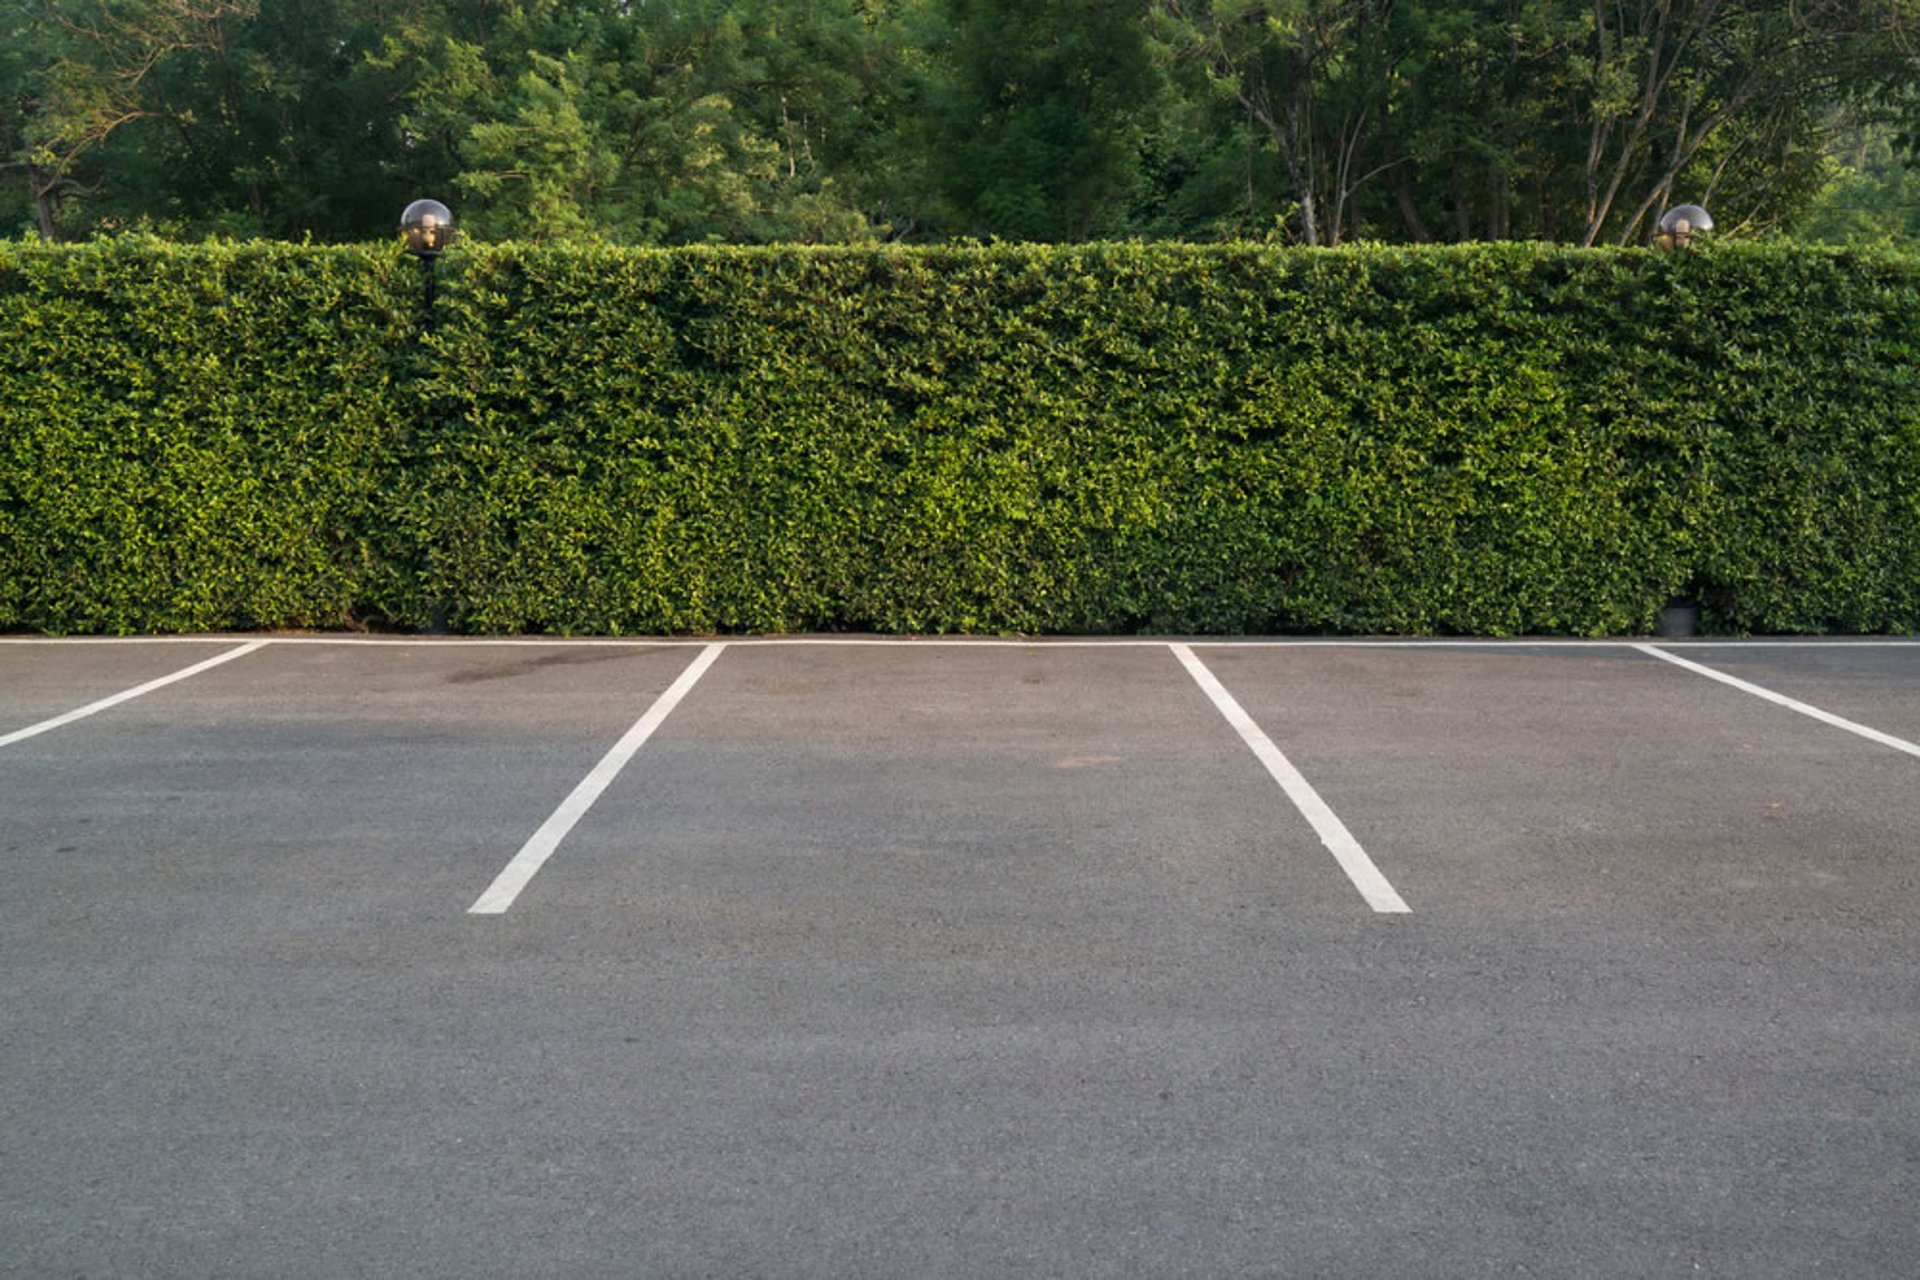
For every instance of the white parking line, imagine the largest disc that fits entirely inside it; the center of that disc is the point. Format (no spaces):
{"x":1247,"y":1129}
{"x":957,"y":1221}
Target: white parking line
{"x":20,"y":735}
{"x":1353,"y":859}
{"x":1825,"y":717}
{"x":534,"y":854}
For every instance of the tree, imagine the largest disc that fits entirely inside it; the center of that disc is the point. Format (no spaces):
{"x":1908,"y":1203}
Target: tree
{"x":698,"y":121}
{"x":100,"y":56}
{"x":23,"y":53}
{"x":1870,"y":192}
{"x":1480,"y":130}
{"x":1035,"y":114}
{"x":1315,"y":79}
{"x":1668,"y":77}
{"x":1562,"y":119}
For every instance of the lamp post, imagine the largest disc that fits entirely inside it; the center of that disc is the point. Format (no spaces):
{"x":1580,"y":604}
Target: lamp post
{"x":1679,"y":226}
{"x":428,"y":227}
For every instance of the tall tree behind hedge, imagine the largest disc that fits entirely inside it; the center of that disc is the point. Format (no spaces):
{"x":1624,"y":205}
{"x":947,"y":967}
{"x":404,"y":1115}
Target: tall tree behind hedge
{"x":22,"y":57}
{"x":706,"y":120}
{"x":290,"y":127}
{"x":92,"y":75}
{"x":1036,"y":116}
{"x":1548,"y":119}
{"x":740,"y":120}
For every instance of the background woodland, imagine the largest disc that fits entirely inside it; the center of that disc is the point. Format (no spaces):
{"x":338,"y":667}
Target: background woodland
{"x":1315,"y":122}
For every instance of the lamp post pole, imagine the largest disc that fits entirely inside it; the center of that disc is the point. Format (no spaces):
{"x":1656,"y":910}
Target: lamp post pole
{"x":1678,"y":228}
{"x":428,"y":227}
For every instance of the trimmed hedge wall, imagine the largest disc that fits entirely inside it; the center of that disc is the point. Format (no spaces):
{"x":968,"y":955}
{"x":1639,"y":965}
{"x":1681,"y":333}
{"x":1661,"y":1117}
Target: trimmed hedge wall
{"x":1496,"y":439}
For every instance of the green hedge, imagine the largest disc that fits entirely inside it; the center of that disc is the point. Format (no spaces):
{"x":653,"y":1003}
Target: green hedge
{"x":1489,"y":439}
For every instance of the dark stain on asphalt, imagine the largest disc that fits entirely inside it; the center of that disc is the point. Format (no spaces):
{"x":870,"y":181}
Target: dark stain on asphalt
{"x":531,"y":666}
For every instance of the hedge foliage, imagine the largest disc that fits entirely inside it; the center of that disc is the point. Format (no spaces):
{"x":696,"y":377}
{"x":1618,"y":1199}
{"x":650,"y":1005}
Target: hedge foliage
{"x":1494,"y":439}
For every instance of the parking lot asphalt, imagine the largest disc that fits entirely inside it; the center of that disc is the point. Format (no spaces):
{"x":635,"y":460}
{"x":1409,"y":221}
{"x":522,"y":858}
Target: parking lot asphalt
{"x":932,"y":958}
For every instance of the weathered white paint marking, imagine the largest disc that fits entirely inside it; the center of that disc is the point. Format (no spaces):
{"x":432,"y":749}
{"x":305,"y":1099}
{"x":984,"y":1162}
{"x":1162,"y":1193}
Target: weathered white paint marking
{"x":534,"y":854}
{"x":1792,"y":704}
{"x":1333,"y":833}
{"x":94,"y":708}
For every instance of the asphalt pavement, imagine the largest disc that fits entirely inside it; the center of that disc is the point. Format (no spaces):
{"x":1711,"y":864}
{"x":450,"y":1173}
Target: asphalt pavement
{"x":917,"y":957}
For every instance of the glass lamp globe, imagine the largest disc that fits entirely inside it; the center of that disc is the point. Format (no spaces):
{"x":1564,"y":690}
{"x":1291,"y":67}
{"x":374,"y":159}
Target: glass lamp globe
{"x":428,"y":226}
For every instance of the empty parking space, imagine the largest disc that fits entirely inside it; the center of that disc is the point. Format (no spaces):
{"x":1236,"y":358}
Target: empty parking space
{"x":952,"y":804}
{"x":1665,"y":942}
{"x":1871,"y":683}
{"x":932,"y":957}
{"x":1575,"y":779}
{"x":48,"y":687}
{"x":361,"y":769}
{"x":221,"y":934}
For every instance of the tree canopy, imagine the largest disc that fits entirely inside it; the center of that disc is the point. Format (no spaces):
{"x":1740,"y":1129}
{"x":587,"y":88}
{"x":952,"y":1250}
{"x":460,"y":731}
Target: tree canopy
{"x":650,"y":122}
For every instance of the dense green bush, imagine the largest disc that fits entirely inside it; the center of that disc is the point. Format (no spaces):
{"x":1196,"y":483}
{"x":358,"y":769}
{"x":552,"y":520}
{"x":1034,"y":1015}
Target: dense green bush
{"x":1489,"y":439}
{"x":192,"y":438}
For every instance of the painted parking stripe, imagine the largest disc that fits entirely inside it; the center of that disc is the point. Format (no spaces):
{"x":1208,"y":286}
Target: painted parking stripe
{"x":534,"y":854}
{"x":1792,"y":704}
{"x":94,"y":708}
{"x":1333,"y":833}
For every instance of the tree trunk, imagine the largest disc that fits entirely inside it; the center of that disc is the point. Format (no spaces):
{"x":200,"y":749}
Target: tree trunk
{"x":42,"y":186}
{"x":1300,"y":171}
{"x":1409,"y":212}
